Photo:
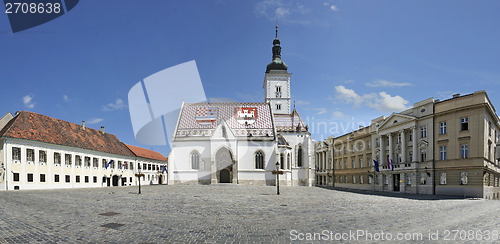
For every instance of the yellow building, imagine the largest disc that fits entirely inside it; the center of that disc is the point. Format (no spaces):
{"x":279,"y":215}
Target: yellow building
{"x":466,"y":138}
{"x":436,"y":147}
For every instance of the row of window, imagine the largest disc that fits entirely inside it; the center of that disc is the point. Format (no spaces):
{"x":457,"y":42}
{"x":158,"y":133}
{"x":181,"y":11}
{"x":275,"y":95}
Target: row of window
{"x":464,"y":125}
{"x":361,"y":146}
{"x":464,"y":151}
{"x":259,"y":160}
{"x":360,"y":179}
{"x":490,"y":179}
{"x":68,"y":159}
{"x":338,"y":165}
{"x":42,"y":158}
{"x":67,"y":178}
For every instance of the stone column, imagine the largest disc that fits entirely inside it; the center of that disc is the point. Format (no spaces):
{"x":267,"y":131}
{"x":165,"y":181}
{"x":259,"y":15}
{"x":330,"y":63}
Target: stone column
{"x":415,"y":155}
{"x":390,"y":147}
{"x":382,"y":151}
{"x":403,"y":146}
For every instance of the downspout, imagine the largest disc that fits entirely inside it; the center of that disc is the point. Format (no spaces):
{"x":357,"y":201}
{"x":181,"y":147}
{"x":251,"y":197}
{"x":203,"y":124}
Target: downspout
{"x":5,"y":162}
{"x":433,"y":150}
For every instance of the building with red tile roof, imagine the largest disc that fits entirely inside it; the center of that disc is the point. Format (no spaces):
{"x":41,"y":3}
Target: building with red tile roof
{"x":41,"y":152}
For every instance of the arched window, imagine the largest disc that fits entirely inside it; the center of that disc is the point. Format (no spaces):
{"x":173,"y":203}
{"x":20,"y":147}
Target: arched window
{"x":278,"y":91}
{"x":195,"y":160}
{"x":299,"y":157}
{"x":259,"y":160}
{"x":282,"y":161}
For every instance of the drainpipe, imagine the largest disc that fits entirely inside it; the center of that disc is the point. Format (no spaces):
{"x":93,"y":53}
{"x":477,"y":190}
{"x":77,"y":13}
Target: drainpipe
{"x":5,"y":162}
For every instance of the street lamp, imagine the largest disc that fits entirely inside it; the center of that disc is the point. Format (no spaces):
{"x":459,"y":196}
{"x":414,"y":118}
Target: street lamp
{"x":139,"y":176}
{"x":278,"y":177}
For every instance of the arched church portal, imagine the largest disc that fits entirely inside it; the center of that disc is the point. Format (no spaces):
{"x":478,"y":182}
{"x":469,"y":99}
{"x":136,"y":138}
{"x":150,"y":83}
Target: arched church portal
{"x":224,"y":163}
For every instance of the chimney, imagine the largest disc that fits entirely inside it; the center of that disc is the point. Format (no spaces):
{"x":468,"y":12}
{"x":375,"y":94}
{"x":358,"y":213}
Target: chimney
{"x":456,"y":95}
{"x":83,"y":124}
{"x":102,"y":130}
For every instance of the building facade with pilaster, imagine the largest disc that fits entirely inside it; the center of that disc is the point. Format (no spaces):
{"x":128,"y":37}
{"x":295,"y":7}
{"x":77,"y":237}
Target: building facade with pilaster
{"x":436,"y":147}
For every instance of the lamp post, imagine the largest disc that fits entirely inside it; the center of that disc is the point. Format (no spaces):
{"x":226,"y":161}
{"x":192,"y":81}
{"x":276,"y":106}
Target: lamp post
{"x":277,"y":178}
{"x":139,"y":176}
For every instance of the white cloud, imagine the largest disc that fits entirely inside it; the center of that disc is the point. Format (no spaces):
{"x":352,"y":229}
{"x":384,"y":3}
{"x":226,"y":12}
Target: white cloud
{"x":283,"y":11}
{"x":348,"y":95}
{"x":338,"y":114}
{"x":28,"y":101}
{"x":331,"y":7}
{"x":117,"y":105}
{"x":385,"y":83}
{"x":381,"y":101}
{"x":66,"y":98}
{"x":321,"y":110}
{"x":95,"y":120}
{"x":388,"y":103}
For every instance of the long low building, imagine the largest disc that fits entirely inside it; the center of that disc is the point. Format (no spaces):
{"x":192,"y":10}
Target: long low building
{"x":438,"y":147}
{"x":40,"y":152}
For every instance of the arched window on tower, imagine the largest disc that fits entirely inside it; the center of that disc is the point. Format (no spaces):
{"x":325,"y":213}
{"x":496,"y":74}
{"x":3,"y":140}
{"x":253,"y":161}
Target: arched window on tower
{"x":278,"y":91}
{"x":278,"y":106}
{"x":259,"y":160}
{"x":299,"y":157}
{"x":195,"y":160}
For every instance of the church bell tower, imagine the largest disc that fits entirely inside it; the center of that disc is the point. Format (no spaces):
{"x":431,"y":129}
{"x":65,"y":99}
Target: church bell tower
{"x":277,"y":82}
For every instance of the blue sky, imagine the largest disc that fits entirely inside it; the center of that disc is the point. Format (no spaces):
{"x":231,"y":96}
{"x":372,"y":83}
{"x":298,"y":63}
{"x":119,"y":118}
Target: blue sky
{"x":351,"y":61}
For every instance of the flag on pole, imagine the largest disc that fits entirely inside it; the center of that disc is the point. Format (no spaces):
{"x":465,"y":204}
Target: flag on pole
{"x":107,"y":165}
{"x":376,"y":165}
{"x":389,"y":163}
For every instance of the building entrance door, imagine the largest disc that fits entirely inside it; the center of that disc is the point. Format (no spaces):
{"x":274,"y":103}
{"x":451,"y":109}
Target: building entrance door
{"x":225,"y":176}
{"x":225,"y":166}
{"x":396,"y":179}
{"x":116,"y":178}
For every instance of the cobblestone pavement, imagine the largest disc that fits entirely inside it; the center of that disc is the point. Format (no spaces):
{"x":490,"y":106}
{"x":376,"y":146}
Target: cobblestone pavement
{"x":231,"y":213}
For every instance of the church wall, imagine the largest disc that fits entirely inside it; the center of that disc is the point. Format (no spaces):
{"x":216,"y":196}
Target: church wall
{"x":247,"y":173}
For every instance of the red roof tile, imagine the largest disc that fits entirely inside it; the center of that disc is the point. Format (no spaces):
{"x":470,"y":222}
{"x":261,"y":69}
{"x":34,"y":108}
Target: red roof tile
{"x":146,"y":153}
{"x":289,"y":122}
{"x":37,"y":127}
{"x":201,"y":119}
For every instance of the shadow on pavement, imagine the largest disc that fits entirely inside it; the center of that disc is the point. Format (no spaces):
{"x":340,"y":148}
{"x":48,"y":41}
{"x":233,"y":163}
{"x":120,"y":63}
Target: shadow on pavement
{"x":397,"y":194}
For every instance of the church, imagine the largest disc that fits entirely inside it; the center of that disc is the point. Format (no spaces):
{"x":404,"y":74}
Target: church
{"x":243,"y":142}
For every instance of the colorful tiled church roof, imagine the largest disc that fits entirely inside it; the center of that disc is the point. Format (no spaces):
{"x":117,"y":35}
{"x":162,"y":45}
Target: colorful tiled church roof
{"x":146,"y":153}
{"x":37,"y":127}
{"x":243,"y":119}
{"x":289,"y":122}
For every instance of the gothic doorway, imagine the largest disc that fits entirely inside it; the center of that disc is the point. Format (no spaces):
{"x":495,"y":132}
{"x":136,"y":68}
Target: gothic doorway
{"x":224,"y":164}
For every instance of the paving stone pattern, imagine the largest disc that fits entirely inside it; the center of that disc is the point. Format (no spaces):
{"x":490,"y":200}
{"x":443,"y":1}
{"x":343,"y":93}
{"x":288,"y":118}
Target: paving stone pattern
{"x":226,"y":214}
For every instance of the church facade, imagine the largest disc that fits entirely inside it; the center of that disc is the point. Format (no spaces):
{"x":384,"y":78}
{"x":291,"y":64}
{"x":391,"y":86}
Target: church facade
{"x":243,"y":143}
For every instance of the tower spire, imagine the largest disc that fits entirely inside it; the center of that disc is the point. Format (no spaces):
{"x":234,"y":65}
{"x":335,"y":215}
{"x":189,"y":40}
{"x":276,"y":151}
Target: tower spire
{"x":277,"y":63}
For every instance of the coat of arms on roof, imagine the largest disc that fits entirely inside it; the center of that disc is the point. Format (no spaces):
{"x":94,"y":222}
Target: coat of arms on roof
{"x":246,"y":116}
{"x":206,"y":116}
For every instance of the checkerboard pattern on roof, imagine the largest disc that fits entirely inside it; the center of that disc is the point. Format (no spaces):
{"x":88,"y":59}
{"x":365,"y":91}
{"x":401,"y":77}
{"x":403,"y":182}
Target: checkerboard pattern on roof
{"x":288,"y":122}
{"x":226,"y":111}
